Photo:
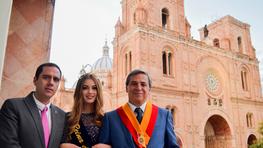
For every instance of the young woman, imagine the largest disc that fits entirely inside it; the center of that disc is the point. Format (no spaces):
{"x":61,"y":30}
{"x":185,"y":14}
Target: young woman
{"x":85,"y":119}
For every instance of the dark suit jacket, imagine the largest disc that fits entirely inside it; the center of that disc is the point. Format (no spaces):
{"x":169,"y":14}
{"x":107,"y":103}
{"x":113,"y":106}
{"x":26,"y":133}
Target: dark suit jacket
{"x":114,"y":132}
{"x":20,"y":124}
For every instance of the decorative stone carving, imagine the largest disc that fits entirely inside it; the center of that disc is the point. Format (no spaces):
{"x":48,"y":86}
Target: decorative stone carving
{"x":212,"y":82}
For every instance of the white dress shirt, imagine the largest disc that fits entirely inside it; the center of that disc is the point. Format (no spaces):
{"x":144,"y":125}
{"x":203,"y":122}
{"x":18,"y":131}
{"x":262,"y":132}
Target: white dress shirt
{"x":40,"y":107}
{"x":133,"y":107}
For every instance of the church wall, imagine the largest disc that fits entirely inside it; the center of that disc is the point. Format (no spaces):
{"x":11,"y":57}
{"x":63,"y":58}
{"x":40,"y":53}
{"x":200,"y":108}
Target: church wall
{"x":28,"y":45}
{"x":64,"y":98}
{"x":242,"y":129}
{"x":255,"y":83}
{"x":191,"y":64}
{"x":227,"y":30}
{"x":176,"y":21}
{"x":153,"y":14}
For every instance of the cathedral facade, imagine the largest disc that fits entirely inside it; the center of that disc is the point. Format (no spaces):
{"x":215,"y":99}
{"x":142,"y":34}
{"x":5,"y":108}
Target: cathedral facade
{"x":211,"y":86}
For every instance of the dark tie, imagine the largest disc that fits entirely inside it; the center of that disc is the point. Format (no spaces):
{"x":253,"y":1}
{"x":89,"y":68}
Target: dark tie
{"x":139,"y":114}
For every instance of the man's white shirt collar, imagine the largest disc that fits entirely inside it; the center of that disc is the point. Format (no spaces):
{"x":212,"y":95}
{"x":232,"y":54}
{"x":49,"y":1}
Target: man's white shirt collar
{"x":40,"y":105}
{"x":133,"y":106}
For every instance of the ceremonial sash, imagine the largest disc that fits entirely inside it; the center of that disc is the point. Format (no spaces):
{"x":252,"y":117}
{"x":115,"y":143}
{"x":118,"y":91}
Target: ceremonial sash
{"x":80,"y":136}
{"x":141,"y":133}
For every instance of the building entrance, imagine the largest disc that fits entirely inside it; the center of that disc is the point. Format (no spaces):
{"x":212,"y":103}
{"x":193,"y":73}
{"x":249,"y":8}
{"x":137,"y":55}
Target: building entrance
{"x":251,"y":139}
{"x":217,"y":133}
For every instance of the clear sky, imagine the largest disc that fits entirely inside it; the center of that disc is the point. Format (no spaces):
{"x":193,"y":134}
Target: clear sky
{"x":81,"y":27}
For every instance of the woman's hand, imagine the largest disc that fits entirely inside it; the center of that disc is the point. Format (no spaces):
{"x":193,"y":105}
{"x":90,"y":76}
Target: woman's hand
{"x":68,"y":145}
{"x":100,"y":145}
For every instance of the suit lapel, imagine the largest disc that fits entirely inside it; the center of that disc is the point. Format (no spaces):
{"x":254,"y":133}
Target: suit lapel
{"x":32,"y":107}
{"x":54,"y":123}
{"x":53,"y":113}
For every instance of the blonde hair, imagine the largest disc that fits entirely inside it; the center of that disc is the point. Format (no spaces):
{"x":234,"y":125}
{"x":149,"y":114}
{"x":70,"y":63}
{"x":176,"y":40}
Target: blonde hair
{"x":74,"y":115}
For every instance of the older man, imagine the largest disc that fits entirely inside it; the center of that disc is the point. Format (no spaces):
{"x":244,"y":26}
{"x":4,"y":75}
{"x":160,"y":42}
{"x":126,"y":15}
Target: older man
{"x":32,"y":121}
{"x":138,"y":123}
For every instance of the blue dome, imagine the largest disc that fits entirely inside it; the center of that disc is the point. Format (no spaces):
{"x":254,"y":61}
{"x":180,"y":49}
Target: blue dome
{"x":105,"y":62}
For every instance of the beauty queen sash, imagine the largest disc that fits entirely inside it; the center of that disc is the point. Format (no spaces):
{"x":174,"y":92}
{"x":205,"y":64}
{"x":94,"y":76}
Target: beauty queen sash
{"x":80,"y":136}
{"x":141,"y":133}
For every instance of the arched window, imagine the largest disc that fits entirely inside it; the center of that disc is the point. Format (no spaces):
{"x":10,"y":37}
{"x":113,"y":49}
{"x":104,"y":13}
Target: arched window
{"x":251,"y":140}
{"x":167,"y":62}
{"x":165,"y":17}
{"x":173,"y":111}
{"x":134,"y":18}
{"x":249,"y":118}
{"x":239,"y":43}
{"x":164,"y":62}
{"x":128,"y":62}
{"x":216,"y":42}
{"x":244,"y":79}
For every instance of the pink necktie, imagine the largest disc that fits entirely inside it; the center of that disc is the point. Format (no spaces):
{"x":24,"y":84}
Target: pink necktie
{"x":45,"y":125}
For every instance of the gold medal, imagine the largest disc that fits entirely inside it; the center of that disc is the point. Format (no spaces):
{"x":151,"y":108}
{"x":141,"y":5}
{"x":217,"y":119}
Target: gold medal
{"x":141,"y":139}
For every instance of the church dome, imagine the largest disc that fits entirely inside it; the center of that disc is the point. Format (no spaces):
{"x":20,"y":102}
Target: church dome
{"x":105,"y":62}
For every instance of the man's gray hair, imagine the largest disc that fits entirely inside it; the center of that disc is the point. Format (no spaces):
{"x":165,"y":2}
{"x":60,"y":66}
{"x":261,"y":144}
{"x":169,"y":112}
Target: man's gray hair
{"x":135,"y":72}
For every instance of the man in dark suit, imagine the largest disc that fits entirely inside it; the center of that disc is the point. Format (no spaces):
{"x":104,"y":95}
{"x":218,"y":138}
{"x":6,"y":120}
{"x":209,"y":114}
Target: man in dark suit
{"x":138,"y":123}
{"x":32,"y":121}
